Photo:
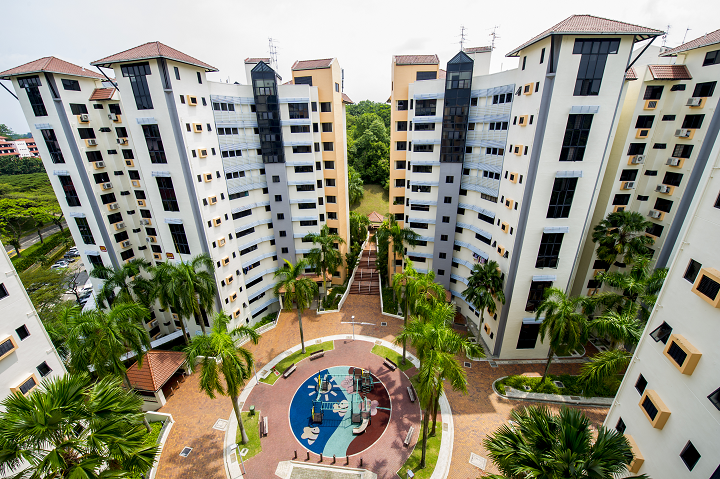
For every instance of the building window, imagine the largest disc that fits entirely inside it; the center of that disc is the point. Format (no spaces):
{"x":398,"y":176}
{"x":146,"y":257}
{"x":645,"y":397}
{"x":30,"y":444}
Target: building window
{"x":43,"y":369}
{"x":528,"y":336}
{"x":682,"y":151}
{"x":636,"y":149}
{"x":72,"y":85}
{"x":136,"y":73}
{"x":542,"y":56}
{"x":300,"y":129}
{"x":327,"y":127}
{"x":712,"y":58}
{"x":425,"y":76}
{"x":325,"y":107}
{"x":154,"y":144}
{"x":690,"y":456}
{"x":549,"y":250}
{"x":167,"y":193}
{"x":424,"y":126}
{"x":331,"y":199}
{"x":179,"y":239}
{"x":653,"y":92}
{"x":53,"y":146}
{"x":298,"y":111}
{"x":425,"y":107}
{"x":401,"y":126}
{"x":402,"y":105}
{"x":644,"y":121}
{"x":592,"y":64}
{"x":714,"y":397}
{"x":693,"y":121}
{"x":620,"y":426}
{"x":31,"y":86}
{"x":661,"y":333}
{"x":327,"y":146}
{"x":86,"y":133}
{"x":78,"y":108}
{"x":85,"y":232}
{"x":641,"y":384}
{"x":3,"y":292}
{"x":561,"y":197}
{"x":95,"y":260}
{"x":704,"y":89}
{"x":536,"y":294}
{"x":401,"y":146}
{"x":69,"y":189}
{"x":28,"y":385}
{"x":577,"y":132}
{"x":677,"y":353}
{"x":199,"y":77}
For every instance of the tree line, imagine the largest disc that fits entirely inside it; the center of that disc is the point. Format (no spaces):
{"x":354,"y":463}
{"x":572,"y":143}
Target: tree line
{"x":368,"y":141}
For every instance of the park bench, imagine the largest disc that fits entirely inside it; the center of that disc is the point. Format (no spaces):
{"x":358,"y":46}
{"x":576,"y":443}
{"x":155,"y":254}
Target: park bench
{"x":290,"y":369}
{"x":264,"y":426}
{"x":408,"y":437}
{"x":411,"y":394}
{"x":390,"y":364}
{"x":317,"y":354}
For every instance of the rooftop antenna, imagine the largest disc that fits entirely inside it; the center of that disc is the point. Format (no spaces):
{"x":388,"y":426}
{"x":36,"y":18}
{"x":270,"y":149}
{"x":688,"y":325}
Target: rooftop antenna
{"x":664,"y":37}
{"x":463,"y":38}
{"x":273,"y":54}
{"x":685,"y":36}
{"x":494,"y":36}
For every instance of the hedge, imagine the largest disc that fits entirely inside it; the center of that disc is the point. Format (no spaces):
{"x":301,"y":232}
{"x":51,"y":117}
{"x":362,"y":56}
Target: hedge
{"x":22,"y":263}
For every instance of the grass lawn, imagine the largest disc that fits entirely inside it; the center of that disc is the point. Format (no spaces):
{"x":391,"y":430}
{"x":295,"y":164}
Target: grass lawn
{"x":252,"y":429}
{"x":573,"y":385}
{"x":296,"y":357}
{"x":150,"y":439}
{"x":375,"y":199}
{"x":384,"y":352}
{"x":431,"y":455}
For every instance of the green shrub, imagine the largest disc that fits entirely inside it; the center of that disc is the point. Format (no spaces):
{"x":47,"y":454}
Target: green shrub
{"x":389,"y":305}
{"x":333,"y":298}
{"x":265,"y":320}
{"x":573,"y":385}
{"x":39,"y":251}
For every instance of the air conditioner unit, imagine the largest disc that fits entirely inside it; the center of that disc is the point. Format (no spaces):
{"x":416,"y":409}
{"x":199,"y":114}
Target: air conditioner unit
{"x":694,"y":102}
{"x":638,"y":159}
{"x":145,"y":222}
{"x":654,"y":214}
{"x":662,"y":189}
{"x":135,"y":183}
{"x":112,"y":116}
{"x":125,"y":244}
{"x":98,"y":164}
{"x":151,"y":239}
{"x":91,"y":142}
{"x":106,"y":186}
{"x":119,"y":226}
{"x":628,"y":185}
{"x":113,"y":206}
{"x":122,"y":141}
{"x":85,"y":118}
{"x":673,"y":161}
{"x":683,"y":133}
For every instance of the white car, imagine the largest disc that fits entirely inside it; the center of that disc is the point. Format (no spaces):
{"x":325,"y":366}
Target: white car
{"x":59,"y":264}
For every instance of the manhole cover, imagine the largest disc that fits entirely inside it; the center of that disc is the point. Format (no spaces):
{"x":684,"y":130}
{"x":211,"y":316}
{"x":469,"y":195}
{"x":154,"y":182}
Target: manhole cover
{"x":383,"y":324}
{"x":220,"y":424}
{"x":478,"y":461}
{"x":186,"y":451}
{"x":466,"y":364}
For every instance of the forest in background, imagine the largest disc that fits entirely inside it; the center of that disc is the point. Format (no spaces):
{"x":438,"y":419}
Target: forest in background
{"x":368,"y":133}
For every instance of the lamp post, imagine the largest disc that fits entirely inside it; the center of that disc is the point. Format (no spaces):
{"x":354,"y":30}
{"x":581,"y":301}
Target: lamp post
{"x":353,"y":326}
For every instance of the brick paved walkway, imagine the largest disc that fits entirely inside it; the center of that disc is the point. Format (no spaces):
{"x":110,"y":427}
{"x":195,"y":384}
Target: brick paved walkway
{"x":475,"y":415}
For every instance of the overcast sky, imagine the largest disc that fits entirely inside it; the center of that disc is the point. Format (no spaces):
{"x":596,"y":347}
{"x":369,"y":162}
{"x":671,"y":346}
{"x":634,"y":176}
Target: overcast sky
{"x":363,"y":35}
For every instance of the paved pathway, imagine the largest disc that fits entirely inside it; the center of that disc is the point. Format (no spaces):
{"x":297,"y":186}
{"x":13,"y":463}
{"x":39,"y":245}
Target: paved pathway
{"x":475,"y":415}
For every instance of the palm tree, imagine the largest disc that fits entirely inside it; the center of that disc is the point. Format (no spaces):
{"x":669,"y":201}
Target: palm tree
{"x":166,"y":294}
{"x":547,"y":446}
{"x":325,"y":258}
{"x":219,"y":353}
{"x":399,"y":236}
{"x":358,"y":228}
{"x":621,"y":235}
{"x":355,"y":186}
{"x":72,"y":427}
{"x":382,"y":239}
{"x":401,"y":282}
{"x":485,"y":287}
{"x":296,"y":288}
{"x":127,"y":279}
{"x":564,"y":325}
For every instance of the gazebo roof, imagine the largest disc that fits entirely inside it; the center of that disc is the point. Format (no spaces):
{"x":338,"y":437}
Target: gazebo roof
{"x":376,"y":217}
{"x":158,"y":367}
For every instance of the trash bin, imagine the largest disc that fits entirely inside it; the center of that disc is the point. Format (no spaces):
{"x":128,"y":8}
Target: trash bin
{"x":252,"y":410}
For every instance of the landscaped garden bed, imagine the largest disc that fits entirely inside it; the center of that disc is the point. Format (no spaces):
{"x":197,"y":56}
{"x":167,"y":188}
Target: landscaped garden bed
{"x":389,"y":306}
{"x":295,"y":357}
{"x":252,"y":429}
{"x":572,"y":386}
{"x":393,"y":355}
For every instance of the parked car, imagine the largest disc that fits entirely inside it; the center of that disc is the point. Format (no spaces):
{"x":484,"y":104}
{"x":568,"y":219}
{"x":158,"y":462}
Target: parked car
{"x":69,"y":259}
{"x":60,"y":264}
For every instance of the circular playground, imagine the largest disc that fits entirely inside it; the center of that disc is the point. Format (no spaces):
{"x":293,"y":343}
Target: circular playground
{"x":341,"y":411}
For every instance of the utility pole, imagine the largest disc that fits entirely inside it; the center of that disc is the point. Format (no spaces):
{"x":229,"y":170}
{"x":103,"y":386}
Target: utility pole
{"x":494,"y":36}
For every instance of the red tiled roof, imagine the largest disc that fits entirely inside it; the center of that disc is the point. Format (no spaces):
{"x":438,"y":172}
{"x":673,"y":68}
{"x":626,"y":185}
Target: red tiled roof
{"x":590,"y":25}
{"x":477,"y":50}
{"x":346,"y":99}
{"x":291,"y":82}
{"x":441,"y":74}
{"x":670,"y":72}
{"x":50,"y":65}
{"x":311,"y":64}
{"x":102,"y":94}
{"x":257,"y":60}
{"x":376,"y":217}
{"x":631,"y":74}
{"x":708,"y":39}
{"x":158,"y":366}
{"x":416,"y":59}
{"x":152,"y":50}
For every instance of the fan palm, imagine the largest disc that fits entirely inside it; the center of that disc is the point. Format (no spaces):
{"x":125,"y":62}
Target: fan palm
{"x":296,"y":289}
{"x":325,"y":258}
{"x":564,"y":325}
{"x":219,"y":353}
{"x":485,"y":287}
{"x":127,"y":279}
{"x":621,"y":235}
{"x":546,"y":446}
{"x":70,"y":427}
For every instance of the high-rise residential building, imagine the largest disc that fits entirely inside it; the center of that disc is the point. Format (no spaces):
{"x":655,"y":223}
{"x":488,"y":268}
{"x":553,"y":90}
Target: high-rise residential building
{"x":668,"y":126}
{"x":162,"y":164}
{"x":23,"y":147}
{"x":668,"y":404}
{"x":507,"y":166}
{"x":27,"y":356}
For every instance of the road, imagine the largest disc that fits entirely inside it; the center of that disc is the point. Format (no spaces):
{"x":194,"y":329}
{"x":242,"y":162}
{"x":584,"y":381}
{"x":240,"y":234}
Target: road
{"x":31,"y":239}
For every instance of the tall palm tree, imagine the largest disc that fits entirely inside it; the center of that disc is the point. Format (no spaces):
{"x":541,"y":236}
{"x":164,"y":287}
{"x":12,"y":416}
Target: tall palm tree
{"x":166,"y":294}
{"x":547,"y":446}
{"x":325,"y":258}
{"x":565,"y":326}
{"x":219,"y":353}
{"x":399,"y":236}
{"x":295,"y":288}
{"x":382,"y":239}
{"x":485,"y":287}
{"x":71,"y":427}
{"x":127,"y":279}
{"x":621,"y":235}
{"x":401,"y":282}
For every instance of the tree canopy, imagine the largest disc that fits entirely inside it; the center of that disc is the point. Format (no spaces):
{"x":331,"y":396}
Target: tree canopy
{"x":368,"y":128}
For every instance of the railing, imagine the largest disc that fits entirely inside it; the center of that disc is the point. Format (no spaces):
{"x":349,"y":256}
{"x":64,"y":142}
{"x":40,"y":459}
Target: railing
{"x":350,"y":281}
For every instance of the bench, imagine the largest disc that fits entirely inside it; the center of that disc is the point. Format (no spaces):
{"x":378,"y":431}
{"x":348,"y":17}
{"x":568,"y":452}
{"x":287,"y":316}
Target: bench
{"x":411,"y":394}
{"x":390,"y":364}
{"x":264,"y":426}
{"x":317,"y":354}
{"x":409,"y":436}
{"x":289,"y":371}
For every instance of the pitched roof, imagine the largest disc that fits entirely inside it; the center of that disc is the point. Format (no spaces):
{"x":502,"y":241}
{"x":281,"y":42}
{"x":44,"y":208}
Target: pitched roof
{"x":50,"y":65}
{"x":152,"y":50}
{"x":708,"y":39}
{"x":416,"y":59}
{"x":591,"y":25}
{"x":441,"y":74}
{"x":102,"y":94}
{"x":158,"y":367}
{"x":312,"y":64}
{"x":477,"y":49}
{"x":670,"y":72}
{"x":346,"y":99}
{"x":257,"y":60}
{"x":376,"y":217}
{"x":631,"y":74}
